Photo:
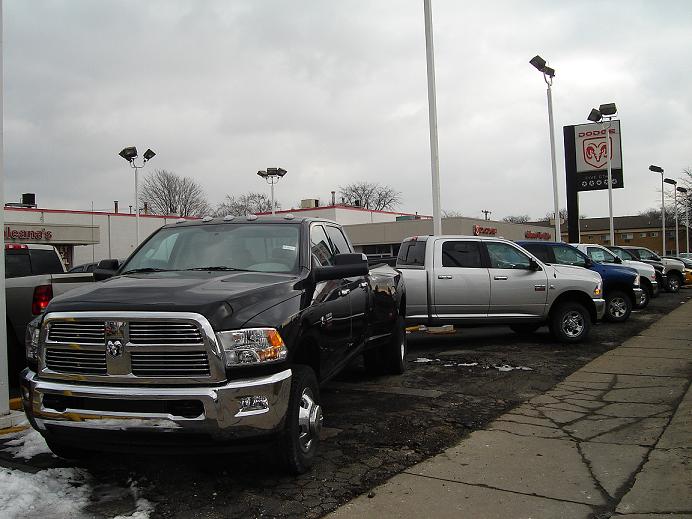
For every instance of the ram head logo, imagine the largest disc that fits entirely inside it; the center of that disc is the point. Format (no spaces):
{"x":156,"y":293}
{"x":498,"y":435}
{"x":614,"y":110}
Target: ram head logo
{"x":596,"y":151}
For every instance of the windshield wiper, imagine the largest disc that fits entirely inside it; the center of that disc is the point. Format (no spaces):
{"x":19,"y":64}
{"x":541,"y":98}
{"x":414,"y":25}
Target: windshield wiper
{"x":144,"y":269}
{"x":220,"y":267}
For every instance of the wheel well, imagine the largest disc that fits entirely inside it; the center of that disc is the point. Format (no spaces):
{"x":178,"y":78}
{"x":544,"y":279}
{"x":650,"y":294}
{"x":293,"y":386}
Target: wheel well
{"x":308,"y":354}
{"x":646,"y":283}
{"x":622,"y":288}
{"x":578,"y":297}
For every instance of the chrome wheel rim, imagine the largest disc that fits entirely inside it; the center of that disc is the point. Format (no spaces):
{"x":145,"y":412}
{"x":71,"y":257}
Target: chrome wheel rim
{"x":673,"y":284}
{"x":402,"y":348}
{"x":309,"y":420}
{"x":573,"y":324}
{"x":617,"y":307}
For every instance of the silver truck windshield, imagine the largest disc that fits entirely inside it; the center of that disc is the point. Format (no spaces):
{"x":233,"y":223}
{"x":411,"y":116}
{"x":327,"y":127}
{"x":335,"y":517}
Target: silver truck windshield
{"x":251,"y":247}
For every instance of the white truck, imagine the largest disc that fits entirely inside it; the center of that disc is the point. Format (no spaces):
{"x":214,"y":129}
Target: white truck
{"x":475,"y":281}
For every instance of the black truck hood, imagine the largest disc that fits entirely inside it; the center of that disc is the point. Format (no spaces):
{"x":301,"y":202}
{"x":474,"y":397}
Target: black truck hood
{"x":227,"y":300}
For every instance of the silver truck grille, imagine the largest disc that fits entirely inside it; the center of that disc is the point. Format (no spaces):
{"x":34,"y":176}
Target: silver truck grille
{"x":170,"y":364}
{"x":76,"y":361}
{"x":77,"y":332}
{"x":153,"y":332}
{"x":131,"y":348}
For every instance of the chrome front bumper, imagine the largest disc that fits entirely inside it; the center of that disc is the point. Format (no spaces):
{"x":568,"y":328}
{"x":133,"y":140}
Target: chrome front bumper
{"x":238,"y":409}
{"x":600,"y":308}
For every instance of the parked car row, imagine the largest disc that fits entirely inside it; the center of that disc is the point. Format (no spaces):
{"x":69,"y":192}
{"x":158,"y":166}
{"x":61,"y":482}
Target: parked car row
{"x":475,"y":281}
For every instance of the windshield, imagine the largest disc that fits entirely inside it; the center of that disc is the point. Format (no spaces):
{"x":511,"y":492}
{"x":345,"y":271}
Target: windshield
{"x":250,"y":247}
{"x":623,"y":254}
{"x":600,"y":255}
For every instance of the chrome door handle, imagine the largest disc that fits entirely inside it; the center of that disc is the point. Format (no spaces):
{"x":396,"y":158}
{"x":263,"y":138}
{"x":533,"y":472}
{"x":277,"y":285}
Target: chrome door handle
{"x":444,"y":277}
{"x":344,"y":291}
{"x":500,"y":278}
{"x":363,"y":284}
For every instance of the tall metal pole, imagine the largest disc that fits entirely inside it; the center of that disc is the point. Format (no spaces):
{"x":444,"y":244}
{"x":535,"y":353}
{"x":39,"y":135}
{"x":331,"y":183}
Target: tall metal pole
{"x":663,"y":215}
{"x":432,"y":115}
{"x":675,"y":206}
{"x":687,"y":223}
{"x":556,"y":203}
{"x":4,"y":375}
{"x":610,"y":186}
{"x":273,"y":207}
{"x":136,"y":203}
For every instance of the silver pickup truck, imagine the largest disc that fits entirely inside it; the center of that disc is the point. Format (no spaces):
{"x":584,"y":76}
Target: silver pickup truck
{"x":472,"y":281}
{"x":34,"y":274}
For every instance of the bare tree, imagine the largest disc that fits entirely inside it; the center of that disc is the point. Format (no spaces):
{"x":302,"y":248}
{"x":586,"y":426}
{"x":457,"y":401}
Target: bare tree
{"x":370,"y":195}
{"x":451,"y":213}
{"x":168,"y":193}
{"x":249,"y":203}
{"x":521,"y":218}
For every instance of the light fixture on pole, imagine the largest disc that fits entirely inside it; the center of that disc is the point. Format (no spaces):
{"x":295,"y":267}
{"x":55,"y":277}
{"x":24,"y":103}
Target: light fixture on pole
{"x":658,"y":169}
{"x":272,"y":176}
{"x":548,"y":74}
{"x":130,"y":154}
{"x":604,"y":115}
{"x":687,"y":216}
{"x":675,"y":209}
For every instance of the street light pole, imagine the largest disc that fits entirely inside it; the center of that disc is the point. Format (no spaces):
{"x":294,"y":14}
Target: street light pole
{"x":4,"y":372}
{"x":130,"y":154}
{"x":432,"y":116}
{"x":658,"y":169}
{"x":675,"y":208}
{"x":272,"y":176}
{"x":548,"y":75}
{"x":687,"y":216}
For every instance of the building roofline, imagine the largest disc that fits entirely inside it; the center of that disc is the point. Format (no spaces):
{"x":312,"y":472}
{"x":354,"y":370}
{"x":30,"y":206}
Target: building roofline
{"x":347,"y":207}
{"x":101,"y":213}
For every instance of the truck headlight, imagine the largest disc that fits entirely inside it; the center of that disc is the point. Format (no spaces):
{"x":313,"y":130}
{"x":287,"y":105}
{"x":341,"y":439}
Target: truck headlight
{"x":31,"y":337}
{"x":598,"y":290}
{"x":252,"y":346}
{"x":637,"y":280}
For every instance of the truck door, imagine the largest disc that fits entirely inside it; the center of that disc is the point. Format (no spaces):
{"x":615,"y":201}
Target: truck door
{"x":331,"y":312}
{"x":515,"y":288}
{"x":460,"y":280}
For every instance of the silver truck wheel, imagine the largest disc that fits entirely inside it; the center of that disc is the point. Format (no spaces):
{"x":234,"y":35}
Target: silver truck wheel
{"x":618,"y":306}
{"x":570,"y":322}
{"x":674,"y":282}
{"x":301,"y":436}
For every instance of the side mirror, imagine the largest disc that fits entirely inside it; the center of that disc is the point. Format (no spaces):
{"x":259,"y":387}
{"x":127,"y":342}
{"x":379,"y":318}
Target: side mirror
{"x":105,"y":269}
{"x":345,"y":266}
{"x":533,"y":264}
{"x":589,"y":263}
{"x":618,"y":259}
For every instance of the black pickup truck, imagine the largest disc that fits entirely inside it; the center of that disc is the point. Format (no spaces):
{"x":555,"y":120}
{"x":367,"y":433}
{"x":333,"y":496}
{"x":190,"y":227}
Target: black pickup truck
{"x":214,"y":333}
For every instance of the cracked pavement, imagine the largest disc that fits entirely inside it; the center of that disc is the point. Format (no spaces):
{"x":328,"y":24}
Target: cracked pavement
{"x":613,"y":439}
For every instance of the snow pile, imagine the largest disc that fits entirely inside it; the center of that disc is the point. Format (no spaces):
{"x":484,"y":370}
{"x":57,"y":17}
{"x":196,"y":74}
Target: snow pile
{"x":143,"y":507}
{"x":468,"y":364}
{"x":507,"y":367}
{"x":27,"y":444}
{"x":423,"y":360}
{"x":60,"y":492}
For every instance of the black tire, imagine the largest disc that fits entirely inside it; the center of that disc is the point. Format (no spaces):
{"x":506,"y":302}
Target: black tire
{"x":524,"y":328}
{"x":394,"y":352}
{"x":373,"y":361}
{"x":301,"y":436}
{"x":16,"y":358}
{"x":618,"y":306}
{"x":674,"y":282}
{"x":647,"y":291}
{"x":570,"y":322}
{"x":68,"y":452}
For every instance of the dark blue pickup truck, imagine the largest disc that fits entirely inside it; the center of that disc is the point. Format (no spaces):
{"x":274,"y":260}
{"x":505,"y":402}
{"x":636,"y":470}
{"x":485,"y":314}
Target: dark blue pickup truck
{"x":621,"y":285}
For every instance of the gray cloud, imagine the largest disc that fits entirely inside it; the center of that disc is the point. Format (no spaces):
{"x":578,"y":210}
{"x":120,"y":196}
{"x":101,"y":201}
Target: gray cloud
{"x":335,"y":92}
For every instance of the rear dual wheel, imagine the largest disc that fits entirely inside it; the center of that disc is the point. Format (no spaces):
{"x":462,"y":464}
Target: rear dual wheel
{"x":390,"y":358}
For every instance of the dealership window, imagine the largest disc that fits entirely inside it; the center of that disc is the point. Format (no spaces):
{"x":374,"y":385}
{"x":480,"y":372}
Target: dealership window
{"x":627,"y":236}
{"x":653,"y":234}
{"x":642,"y":235}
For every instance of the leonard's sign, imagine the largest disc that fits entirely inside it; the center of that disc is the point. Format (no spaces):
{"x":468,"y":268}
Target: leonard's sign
{"x":591,"y":155}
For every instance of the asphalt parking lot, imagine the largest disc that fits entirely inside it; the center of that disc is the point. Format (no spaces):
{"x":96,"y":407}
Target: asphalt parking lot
{"x":374,"y":427}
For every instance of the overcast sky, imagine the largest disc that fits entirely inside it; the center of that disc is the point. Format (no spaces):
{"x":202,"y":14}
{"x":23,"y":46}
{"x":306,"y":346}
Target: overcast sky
{"x":335,"y":92}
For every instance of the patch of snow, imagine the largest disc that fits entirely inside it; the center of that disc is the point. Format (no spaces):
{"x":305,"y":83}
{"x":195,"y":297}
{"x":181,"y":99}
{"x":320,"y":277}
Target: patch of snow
{"x":423,"y":359}
{"x":27,"y":444}
{"x":468,"y":364}
{"x":448,"y":365}
{"x":507,"y":367}
{"x":62,"y":492}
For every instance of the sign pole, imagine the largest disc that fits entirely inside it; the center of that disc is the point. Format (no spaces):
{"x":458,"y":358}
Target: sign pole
{"x":4,"y":375}
{"x":675,"y":207}
{"x":663,"y":216}
{"x":610,"y":186}
{"x":556,"y":202}
{"x":432,"y":115}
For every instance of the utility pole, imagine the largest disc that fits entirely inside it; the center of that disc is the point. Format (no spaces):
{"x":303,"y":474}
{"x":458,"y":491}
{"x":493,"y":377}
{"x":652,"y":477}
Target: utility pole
{"x":486,"y":213}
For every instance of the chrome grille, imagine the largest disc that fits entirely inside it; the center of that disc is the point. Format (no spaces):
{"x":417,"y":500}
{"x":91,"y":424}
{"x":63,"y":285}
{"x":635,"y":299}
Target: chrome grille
{"x":169,"y":363}
{"x":77,"y":332}
{"x":76,"y":361}
{"x":157,"y":332}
